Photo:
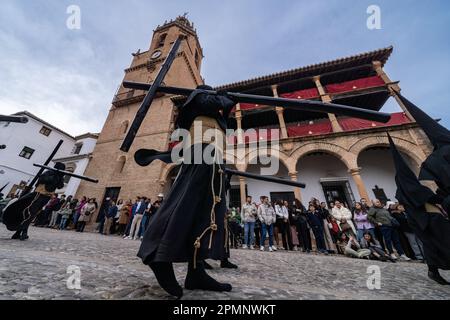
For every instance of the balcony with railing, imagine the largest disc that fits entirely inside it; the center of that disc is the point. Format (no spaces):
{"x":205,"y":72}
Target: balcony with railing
{"x":128,"y":97}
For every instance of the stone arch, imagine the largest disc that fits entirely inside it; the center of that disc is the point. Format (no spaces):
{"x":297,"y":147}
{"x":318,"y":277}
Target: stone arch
{"x":405,"y":146}
{"x":253,"y":154}
{"x":348,"y":158}
{"x":165,"y":172}
{"x":124,"y":126}
{"x":197,"y":59}
{"x":121,"y":161}
{"x":162,"y":40}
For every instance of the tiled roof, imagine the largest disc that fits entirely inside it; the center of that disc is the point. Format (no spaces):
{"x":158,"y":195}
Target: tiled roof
{"x":381,"y":55}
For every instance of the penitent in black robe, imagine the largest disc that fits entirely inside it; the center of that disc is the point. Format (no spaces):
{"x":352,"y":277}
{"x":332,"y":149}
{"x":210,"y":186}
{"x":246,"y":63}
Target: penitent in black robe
{"x":19,"y":214}
{"x":437,"y":166}
{"x":180,"y":230}
{"x":431,"y":226}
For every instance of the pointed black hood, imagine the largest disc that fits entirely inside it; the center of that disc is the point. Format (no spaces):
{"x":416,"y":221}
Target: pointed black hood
{"x":438,"y":135}
{"x":409,"y":190}
{"x":3,"y":188}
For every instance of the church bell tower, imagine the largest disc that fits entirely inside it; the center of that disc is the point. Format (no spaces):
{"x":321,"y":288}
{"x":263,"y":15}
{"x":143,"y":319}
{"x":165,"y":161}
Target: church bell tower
{"x":119,"y":176}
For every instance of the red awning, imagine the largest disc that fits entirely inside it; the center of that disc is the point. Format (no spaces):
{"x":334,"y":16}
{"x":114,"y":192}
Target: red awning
{"x":313,"y":128}
{"x":358,"y":84}
{"x":302,"y":94}
{"x":249,"y":106}
{"x":350,"y":124}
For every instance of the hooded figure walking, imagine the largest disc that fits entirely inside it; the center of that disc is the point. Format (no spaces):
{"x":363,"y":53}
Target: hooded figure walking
{"x":437,"y":166}
{"x":425,"y":216}
{"x":190,"y":224}
{"x":19,"y":214}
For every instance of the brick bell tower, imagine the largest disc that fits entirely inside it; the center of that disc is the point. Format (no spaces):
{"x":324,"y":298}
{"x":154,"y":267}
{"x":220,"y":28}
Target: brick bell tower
{"x":119,"y":176}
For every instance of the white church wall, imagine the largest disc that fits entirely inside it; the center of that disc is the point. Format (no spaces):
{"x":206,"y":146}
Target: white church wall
{"x":314,"y":167}
{"x":378,"y":170}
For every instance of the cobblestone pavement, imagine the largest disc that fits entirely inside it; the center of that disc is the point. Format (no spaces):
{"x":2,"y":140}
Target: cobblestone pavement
{"x":37,"y":269}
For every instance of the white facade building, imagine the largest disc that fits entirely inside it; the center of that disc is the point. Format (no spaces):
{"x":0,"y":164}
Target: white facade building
{"x":33,"y":142}
{"x":77,"y":161}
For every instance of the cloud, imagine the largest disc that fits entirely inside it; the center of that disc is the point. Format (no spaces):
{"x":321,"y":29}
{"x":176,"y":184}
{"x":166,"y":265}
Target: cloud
{"x":69,"y":77}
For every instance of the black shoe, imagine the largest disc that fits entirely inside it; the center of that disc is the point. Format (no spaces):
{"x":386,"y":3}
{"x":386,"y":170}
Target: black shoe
{"x":16,"y":236}
{"x":391,"y":259}
{"x":438,"y":278}
{"x":383,"y":258}
{"x":227,"y":264}
{"x":166,"y":278}
{"x":198,"y":279}
{"x":207,"y":266}
{"x":24,"y":237}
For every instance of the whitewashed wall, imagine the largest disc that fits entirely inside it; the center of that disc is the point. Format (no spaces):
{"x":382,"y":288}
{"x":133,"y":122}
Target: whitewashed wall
{"x":312,"y":168}
{"x":378,"y":169}
{"x":16,"y":136}
{"x":70,"y":189}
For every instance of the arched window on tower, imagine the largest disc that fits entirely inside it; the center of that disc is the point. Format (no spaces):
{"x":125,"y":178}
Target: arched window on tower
{"x":121,"y":164}
{"x":124,"y":127}
{"x":162,"y":40}
{"x":197,"y":59}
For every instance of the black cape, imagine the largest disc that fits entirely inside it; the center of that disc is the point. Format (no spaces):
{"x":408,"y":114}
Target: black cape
{"x":15,"y":214}
{"x":432,"y":228}
{"x":185,"y":213}
{"x":437,"y":166}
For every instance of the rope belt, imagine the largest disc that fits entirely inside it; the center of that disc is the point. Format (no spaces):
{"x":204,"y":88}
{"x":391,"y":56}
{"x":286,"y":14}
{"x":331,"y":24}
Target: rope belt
{"x":40,"y":190}
{"x":431,"y":208}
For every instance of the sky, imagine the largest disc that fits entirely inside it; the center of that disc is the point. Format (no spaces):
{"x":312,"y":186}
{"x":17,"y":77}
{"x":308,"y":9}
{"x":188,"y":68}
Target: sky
{"x":69,"y":77}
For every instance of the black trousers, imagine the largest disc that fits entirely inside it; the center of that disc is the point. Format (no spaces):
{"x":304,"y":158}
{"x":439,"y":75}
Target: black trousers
{"x":303,"y":236}
{"x":286,"y":236}
{"x":379,"y":237}
{"x":318,"y":234}
{"x":257,"y":235}
{"x":121,"y":229}
{"x":81,"y":225}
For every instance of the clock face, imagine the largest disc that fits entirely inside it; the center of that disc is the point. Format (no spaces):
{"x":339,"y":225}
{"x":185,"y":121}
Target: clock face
{"x":156,"y":54}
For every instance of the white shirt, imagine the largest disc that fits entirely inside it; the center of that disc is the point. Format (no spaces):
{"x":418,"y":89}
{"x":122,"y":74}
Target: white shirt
{"x":138,"y":206}
{"x":282,"y":212}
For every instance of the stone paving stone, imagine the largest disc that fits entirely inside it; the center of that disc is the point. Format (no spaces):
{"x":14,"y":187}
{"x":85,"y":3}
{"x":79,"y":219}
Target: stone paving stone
{"x":37,"y":269}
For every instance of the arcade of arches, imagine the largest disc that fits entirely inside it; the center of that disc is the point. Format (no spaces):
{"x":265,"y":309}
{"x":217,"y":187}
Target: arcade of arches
{"x":344,"y":167}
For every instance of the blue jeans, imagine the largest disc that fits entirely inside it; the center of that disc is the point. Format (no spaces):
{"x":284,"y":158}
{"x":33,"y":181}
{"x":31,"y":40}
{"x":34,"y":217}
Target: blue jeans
{"x":264,"y":228}
{"x":320,"y":240}
{"x":143,"y":225}
{"x":360,"y":233}
{"x":63,"y":223}
{"x":76,"y":216}
{"x":390,"y":236}
{"x":128,"y":228}
{"x":101,"y":225}
{"x":249,"y":227}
